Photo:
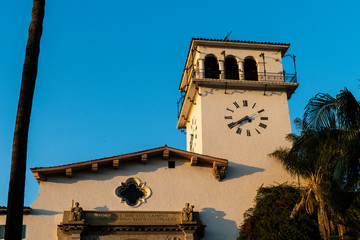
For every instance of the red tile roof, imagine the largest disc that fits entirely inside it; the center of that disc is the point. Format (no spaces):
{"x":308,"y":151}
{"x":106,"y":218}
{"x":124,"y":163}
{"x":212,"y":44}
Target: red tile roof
{"x":239,"y":41}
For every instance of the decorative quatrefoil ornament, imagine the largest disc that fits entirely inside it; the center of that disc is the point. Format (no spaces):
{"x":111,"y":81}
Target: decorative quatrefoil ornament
{"x":133,"y":192}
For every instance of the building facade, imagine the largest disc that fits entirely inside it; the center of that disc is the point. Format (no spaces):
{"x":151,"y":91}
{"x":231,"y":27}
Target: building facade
{"x":234,"y":109}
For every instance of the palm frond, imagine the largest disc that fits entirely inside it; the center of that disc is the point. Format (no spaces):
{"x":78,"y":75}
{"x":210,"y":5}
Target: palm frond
{"x":320,"y":112}
{"x":300,"y":124}
{"x":348,"y":110}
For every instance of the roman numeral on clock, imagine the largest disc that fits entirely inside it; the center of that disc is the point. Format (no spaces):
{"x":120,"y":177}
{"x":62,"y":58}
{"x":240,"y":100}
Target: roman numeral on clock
{"x":248,"y":132}
{"x":228,"y":117}
{"x":262,"y":125}
{"x":238,"y":131}
{"x":230,"y":110}
{"x":254,"y":105}
{"x":264,"y":118}
{"x":245,"y":103}
{"x":260,"y":111}
{"x":236,"y":104}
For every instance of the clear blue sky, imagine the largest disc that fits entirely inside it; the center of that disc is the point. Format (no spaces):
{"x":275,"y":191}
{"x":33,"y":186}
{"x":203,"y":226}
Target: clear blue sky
{"x":109,"y":70}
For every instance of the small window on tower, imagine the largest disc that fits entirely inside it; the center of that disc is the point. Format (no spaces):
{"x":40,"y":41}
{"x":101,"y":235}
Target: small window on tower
{"x":171,"y":164}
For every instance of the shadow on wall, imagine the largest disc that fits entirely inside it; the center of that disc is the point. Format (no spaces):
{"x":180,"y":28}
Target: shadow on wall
{"x":236,"y":170}
{"x":228,"y":92}
{"x":90,"y":238}
{"x":104,"y":208}
{"x":218,"y":228}
{"x":36,"y":211}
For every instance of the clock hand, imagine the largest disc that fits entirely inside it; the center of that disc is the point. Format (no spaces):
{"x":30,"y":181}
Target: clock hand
{"x":255,"y":115}
{"x":233,"y":124}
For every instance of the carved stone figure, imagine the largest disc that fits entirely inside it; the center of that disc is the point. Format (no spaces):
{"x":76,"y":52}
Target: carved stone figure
{"x":76,"y":213}
{"x":219,"y":172}
{"x":187,"y":213}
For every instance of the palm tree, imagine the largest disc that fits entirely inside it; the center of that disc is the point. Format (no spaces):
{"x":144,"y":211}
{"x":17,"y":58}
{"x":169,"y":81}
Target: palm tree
{"x":326,"y":154}
{"x":343,"y":114}
{"x":18,"y":162}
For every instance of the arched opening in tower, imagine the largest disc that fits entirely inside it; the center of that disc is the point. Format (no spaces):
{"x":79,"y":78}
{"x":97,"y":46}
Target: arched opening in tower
{"x":231,"y":68}
{"x":211,"y":67}
{"x":250,"y":68}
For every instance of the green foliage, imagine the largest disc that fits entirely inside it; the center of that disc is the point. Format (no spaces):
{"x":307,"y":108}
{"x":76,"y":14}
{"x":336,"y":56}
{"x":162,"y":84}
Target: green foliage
{"x":270,"y":217}
{"x":327,"y":155}
{"x":351,"y":216}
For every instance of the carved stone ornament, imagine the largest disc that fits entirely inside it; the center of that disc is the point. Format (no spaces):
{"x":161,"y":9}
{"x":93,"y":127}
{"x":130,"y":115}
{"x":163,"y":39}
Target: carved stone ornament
{"x":187,"y":213}
{"x":120,"y":225}
{"x":219,"y":171}
{"x":133,"y":192}
{"x":76,"y":212}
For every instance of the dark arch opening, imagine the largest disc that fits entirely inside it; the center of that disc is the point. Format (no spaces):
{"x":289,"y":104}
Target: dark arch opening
{"x":231,"y":68}
{"x":211,"y":67}
{"x":250,"y":68}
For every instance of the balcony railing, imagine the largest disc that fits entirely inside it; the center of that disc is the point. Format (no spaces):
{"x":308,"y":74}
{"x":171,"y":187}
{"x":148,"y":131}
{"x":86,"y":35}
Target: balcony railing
{"x":261,"y":76}
{"x":277,"y":77}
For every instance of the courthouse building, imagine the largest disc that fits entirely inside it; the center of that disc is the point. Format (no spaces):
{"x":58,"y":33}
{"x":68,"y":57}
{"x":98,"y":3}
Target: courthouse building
{"x":234,"y":109}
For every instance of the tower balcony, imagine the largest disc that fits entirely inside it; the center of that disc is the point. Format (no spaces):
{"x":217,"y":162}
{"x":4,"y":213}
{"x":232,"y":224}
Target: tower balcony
{"x":269,"y":77}
{"x":261,"y":81}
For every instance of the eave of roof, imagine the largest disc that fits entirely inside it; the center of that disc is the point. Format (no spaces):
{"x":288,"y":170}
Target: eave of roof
{"x":41,"y":173}
{"x":240,"y":41}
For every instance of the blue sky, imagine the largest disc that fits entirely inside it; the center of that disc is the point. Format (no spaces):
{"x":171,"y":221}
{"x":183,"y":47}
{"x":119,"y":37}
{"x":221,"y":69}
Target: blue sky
{"x":109,"y":70}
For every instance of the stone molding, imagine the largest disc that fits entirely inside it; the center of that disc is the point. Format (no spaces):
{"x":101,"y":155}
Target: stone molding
{"x":131,"y":222}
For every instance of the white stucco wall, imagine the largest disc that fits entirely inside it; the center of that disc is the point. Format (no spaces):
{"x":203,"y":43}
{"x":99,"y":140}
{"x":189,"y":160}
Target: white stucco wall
{"x":221,"y":204}
{"x":194,"y":127}
{"x":220,"y":141}
{"x":249,"y":163}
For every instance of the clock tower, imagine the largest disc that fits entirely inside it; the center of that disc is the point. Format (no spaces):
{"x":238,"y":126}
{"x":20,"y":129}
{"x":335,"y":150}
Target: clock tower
{"x":235,"y":103}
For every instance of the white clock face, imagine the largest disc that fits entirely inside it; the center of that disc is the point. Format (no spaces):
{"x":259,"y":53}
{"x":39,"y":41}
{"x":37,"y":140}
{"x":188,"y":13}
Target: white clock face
{"x":246,"y":118}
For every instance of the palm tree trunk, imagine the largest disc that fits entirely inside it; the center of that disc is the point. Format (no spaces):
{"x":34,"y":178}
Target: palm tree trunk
{"x":18,"y":162}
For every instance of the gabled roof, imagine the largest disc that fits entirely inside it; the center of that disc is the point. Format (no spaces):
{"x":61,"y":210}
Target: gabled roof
{"x":40,"y":173}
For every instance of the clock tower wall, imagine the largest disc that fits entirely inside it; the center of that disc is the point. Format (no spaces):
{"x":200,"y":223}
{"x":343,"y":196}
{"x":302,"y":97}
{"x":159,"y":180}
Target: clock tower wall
{"x":270,"y":123}
{"x":235,"y":106}
{"x":194,"y":128}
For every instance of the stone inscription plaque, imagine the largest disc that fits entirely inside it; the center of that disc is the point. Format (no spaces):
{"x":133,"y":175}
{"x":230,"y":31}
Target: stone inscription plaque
{"x":123,"y":225}
{"x":131,"y":218}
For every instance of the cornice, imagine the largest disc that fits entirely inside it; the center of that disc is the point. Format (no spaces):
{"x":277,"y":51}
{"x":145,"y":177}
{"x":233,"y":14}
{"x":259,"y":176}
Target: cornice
{"x":41,"y":173}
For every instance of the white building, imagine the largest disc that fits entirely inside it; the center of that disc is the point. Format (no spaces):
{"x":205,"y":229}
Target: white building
{"x":235,"y":112}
